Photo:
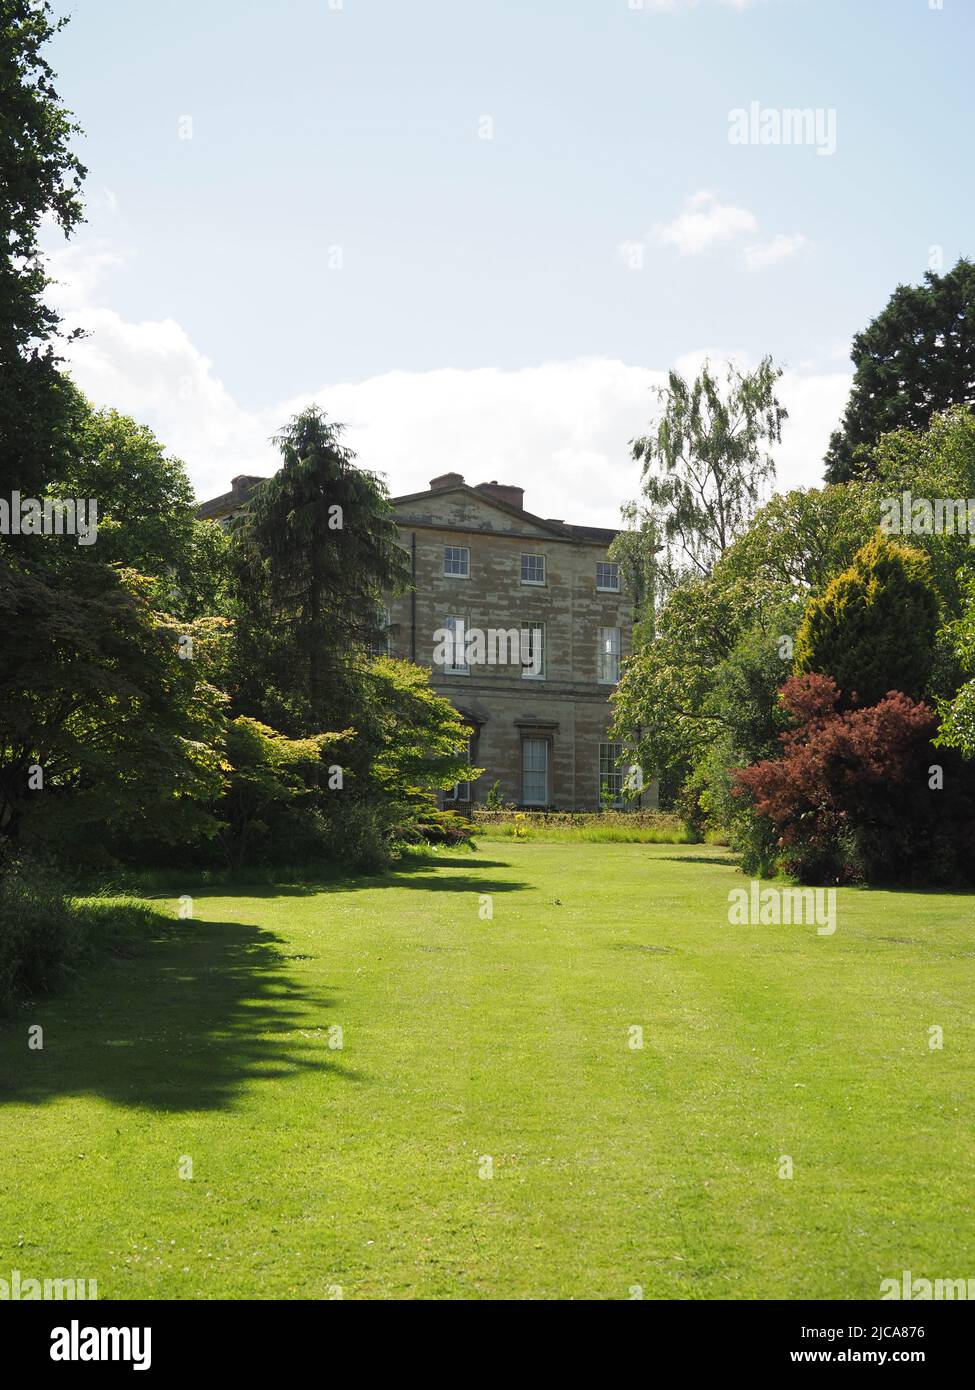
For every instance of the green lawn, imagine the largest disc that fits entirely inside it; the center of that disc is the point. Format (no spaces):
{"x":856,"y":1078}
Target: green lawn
{"x":360,"y":1167}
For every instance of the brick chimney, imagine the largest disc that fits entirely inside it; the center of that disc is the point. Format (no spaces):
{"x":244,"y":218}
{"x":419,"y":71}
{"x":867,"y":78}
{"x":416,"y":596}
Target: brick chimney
{"x":446,"y":480}
{"x":243,"y":484}
{"x":504,"y":492}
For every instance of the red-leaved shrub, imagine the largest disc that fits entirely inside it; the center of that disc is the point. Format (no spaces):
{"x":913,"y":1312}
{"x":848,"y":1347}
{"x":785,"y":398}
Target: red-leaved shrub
{"x":857,"y":795}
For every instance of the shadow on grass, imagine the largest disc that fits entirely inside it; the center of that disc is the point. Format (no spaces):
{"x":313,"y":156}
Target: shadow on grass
{"x":421,"y":873}
{"x":180,"y":1019}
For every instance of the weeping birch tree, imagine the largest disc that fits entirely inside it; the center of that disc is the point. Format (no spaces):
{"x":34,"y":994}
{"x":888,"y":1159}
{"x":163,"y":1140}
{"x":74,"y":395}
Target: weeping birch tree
{"x":707,"y":463}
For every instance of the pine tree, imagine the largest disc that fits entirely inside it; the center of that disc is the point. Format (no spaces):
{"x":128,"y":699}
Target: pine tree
{"x":915,"y":358}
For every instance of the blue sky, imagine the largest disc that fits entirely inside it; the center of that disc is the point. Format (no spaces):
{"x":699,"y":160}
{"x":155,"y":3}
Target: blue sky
{"x":337,"y":228}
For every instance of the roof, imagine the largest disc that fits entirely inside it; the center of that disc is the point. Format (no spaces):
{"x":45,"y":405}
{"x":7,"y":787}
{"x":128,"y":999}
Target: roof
{"x":241,"y":491}
{"x":596,"y":534}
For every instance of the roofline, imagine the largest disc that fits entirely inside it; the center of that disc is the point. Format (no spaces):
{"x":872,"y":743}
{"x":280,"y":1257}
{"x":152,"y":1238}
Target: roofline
{"x":562,"y":529}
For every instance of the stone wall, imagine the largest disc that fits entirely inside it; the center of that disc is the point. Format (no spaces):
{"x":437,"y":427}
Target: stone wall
{"x":568,"y":708}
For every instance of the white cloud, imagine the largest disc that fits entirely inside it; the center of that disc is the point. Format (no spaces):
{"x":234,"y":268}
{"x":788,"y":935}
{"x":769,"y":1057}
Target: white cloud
{"x":703,"y":222}
{"x":558,"y":429}
{"x":780,"y":248}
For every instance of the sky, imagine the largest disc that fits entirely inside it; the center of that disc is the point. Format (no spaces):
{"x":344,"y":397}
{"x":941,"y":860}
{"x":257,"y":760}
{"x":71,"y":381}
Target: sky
{"x":480,"y":232}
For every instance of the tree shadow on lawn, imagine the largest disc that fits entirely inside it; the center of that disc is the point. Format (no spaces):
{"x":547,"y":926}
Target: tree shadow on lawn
{"x":421,"y":874}
{"x":181,"y":1019}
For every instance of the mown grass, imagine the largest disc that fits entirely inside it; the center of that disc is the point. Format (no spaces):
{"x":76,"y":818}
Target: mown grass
{"x":468,"y":1038}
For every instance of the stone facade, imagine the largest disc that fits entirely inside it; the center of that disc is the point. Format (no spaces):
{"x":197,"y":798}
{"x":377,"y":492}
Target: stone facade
{"x":479,"y":557}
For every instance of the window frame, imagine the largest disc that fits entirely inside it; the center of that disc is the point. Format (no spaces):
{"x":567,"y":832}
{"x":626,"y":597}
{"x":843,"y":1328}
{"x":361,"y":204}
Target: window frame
{"x":608,"y":588}
{"x":547,"y":770}
{"x":534,"y":583}
{"x":463,"y":550}
{"x":453,"y":793}
{"x":602,"y":654}
{"x":531,"y":627}
{"x":614,"y":771}
{"x":448,"y":623}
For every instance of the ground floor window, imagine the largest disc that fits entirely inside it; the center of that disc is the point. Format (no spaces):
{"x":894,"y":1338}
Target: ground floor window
{"x":461,"y":791}
{"x":610,"y":774}
{"x":534,"y":771}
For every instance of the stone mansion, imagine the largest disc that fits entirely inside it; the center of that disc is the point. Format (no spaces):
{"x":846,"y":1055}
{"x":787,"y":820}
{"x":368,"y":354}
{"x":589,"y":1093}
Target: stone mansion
{"x":538,"y":709}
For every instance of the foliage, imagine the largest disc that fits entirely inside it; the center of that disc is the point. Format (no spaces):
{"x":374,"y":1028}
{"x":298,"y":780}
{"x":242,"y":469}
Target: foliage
{"x":411,"y":742}
{"x":145,"y":512}
{"x":99,"y":700}
{"x":706,"y":462}
{"x":495,"y":798}
{"x":874,"y":628}
{"x":854,"y":798}
{"x":603,"y":827}
{"x":313,"y":556}
{"x":637,"y":549}
{"x":268,"y":796}
{"x":938,"y":463}
{"x":45,"y":934}
{"x":39,"y":181}
{"x":441,"y":826}
{"x":915,"y":358}
{"x":958,"y":713}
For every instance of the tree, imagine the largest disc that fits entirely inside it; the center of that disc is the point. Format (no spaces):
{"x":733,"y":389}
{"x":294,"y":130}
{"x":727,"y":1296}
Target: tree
{"x":707,"y":461}
{"x":915,"y":358}
{"x":268,"y":787}
{"x":40,"y":178}
{"x":874,"y":628}
{"x":958,"y":713}
{"x":701,"y":696}
{"x":636,"y":550}
{"x":315,"y":554}
{"x":855,"y":795}
{"x":107,"y":731}
{"x":936,"y":463}
{"x":145,"y":512}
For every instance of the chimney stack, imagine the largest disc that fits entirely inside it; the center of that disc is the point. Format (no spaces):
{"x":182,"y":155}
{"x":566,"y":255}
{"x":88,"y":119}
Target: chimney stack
{"x":446,"y":480}
{"x":504,"y":492}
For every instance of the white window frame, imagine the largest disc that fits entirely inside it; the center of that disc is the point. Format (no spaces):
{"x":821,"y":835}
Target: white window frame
{"x":463,"y":557}
{"x":610,"y":772}
{"x":454,"y":794}
{"x":535,"y":583}
{"x":607,"y":588}
{"x":450,"y":625}
{"x":544,"y":770}
{"x":608,"y":653}
{"x":536,"y":632}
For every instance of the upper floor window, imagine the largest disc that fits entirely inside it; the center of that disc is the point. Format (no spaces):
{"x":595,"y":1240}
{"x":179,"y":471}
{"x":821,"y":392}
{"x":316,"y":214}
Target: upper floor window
{"x":608,"y":656}
{"x":533,"y":569}
{"x":457,"y":561}
{"x":379,"y":637}
{"x":456,"y":663}
{"x":533,"y":652}
{"x":607,"y":576}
